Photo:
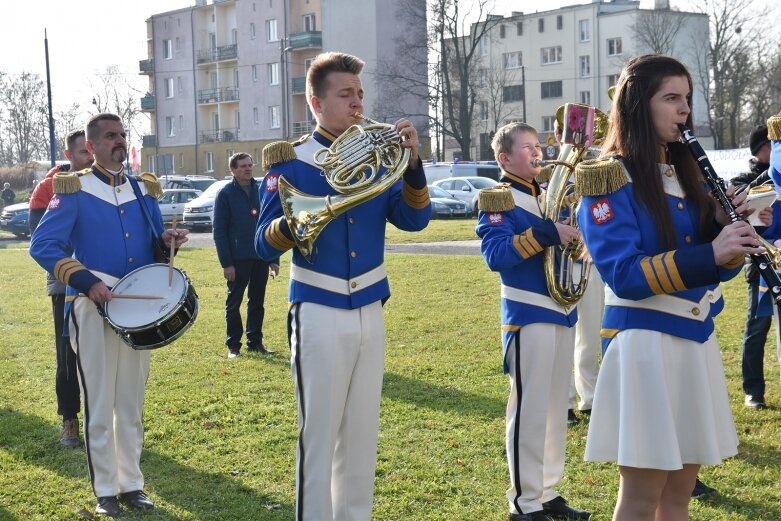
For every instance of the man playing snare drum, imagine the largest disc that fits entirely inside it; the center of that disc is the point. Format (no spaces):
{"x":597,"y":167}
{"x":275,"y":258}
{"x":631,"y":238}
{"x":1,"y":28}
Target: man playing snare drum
{"x":99,"y":212}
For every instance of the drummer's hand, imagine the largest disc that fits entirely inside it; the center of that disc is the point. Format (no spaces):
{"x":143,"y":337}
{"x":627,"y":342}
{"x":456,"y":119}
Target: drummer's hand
{"x":179,"y":235}
{"x":274,"y":270}
{"x":766,"y":216}
{"x":229,"y":273}
{"x":409,"y":138}
{"x":99,"y":293}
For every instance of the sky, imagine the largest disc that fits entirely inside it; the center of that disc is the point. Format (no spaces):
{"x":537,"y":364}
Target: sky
{"x":86,"y":36}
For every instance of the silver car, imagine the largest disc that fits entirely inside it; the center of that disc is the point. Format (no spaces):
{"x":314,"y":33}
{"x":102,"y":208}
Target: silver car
{"x":173,"y":200}
{"x":465,"y":189}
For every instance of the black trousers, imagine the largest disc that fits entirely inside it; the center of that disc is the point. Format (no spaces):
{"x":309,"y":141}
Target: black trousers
{"x":66,"y":379}
{"x":251,"y":275}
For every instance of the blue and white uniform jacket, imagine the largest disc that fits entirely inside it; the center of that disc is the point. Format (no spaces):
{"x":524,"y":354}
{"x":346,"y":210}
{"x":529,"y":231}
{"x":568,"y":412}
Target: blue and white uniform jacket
{"x":100,"y":218}
{"x":774,"y":134}
{"x":770,"y":234}
{"x":348,"y":268}
{"x":647,"y":287}
{"x":513,"y":242}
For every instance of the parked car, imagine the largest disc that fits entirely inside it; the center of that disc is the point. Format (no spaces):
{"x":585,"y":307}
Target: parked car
{"x":173,"y":200}
{"x":14,"y":219}
{"x":438,"y":171}
{"x":465,"y":189}
{"x":444,"y":205}
{"x":193,"y":182}
{"x":199,"y":212}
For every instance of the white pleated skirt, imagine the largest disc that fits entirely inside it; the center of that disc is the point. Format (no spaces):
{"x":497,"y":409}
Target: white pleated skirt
{"x":661,"y":402}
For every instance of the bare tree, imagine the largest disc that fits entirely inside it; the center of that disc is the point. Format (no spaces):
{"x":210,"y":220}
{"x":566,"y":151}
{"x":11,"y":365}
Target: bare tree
{"x":25,"y":120}
{"x":764,"y":93}
{"x":113,"y":92}
{"x":657,"y":29}
{"x":66,"y":121}
{"x":497,"y":87}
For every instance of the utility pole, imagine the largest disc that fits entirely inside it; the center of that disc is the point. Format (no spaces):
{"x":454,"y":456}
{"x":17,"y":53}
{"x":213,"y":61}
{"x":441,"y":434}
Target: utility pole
{"x":52,"y":145}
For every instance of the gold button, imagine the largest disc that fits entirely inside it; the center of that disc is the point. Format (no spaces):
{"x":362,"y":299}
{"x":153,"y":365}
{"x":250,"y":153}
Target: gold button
{"x":680,"y":205}
{"x":669,"y":172}
{"x":127,"y":235}
{"x":711,"y":297}
{"x":353,"y":254}
{"x":695,"y":311}
{"x":119,"y":189}
{"x":130,"y":259}
{"x":351,"y":220}
{"x":688,"y":239}
{"x":354,"y":285}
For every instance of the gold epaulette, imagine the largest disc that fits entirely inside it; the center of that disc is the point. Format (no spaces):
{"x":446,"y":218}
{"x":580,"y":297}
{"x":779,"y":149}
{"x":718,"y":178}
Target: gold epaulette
{"x":599,"y":176}
{"x":66,"y":182}
{"x":774,"y":128}
{"x":495,"y":199}
{"x":276,"y":153}
{"x":151,"y":183}
{"x":544,"y":175}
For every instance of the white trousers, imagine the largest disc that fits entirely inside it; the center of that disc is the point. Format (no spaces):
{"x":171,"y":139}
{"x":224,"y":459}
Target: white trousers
{"x":540,"y":362}
{"x":112,"y":377}
{"x":588,"y":343}
{"x":337,"y":358}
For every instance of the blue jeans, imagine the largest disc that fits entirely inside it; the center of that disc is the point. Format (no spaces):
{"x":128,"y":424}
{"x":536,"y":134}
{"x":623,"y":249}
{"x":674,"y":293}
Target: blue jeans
{"x":754,"y":337}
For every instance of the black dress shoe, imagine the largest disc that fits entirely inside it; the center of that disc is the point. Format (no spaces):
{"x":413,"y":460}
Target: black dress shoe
{"x":571,"y":418}
{"x":702,"y":490}
{"x":558,"y":508}
{"x":530,"y":516}
{"x":108,"y":506}
{"x":259,"y":349}
{"x":137,"y":500}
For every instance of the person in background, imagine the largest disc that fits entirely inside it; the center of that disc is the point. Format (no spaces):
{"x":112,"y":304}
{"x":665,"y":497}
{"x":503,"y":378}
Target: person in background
{"x":236,"y":212}
{"x":8,"y":196}
{"x":66,"y":378}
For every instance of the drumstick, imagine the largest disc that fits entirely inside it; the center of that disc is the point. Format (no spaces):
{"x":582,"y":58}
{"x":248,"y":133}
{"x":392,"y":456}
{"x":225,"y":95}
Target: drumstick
{"x":171,"y":257}
{"x":136,"y":297}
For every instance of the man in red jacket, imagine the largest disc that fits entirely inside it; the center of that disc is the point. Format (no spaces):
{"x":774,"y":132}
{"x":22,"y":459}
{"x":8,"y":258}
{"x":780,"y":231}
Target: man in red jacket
{"x":66,"y":380}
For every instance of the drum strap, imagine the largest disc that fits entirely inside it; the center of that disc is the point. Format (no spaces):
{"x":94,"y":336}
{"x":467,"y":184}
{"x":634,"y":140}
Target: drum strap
{"x":157,"y":241}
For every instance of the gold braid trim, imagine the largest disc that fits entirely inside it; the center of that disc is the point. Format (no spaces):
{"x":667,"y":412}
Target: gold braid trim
{"x":66,"y":183}
{"x":599,"y":176}
{"x":277,"y":152}
{"x":544,"y":175}
{"x":151,"y":183}
{"x":774,"y":128}
{"x":495,"y":199}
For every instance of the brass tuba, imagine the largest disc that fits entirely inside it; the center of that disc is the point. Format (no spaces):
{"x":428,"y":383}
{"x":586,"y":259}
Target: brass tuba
{"x":583,"y":126}
{"x":353,"y":166}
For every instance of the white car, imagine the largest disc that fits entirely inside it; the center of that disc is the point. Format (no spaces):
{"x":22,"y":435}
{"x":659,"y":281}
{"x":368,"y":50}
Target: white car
{"x":199,"y":212}
{"x":465,"y":189}
{"x":173,"y":200}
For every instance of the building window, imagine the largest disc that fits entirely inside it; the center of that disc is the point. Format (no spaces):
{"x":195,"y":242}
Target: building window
{"x":585,"y":97}
{"x":512,"y":93}
{"x":541,"y":25}
{"x":502,"y":31}
{"x":254,"y":73}
{"x":167,"y":51}
{"x":273,"y":73}
{"x":551,"y":55}
{"x":585,"y":30}
{"x":181,"y":122}
{"x":559,"y":22}
{"x":513,"y":60}
{"x":271,"y":30}
{"x":547,"y":123}
{"x":307,"y":64}
{"x":209,"y":162}
{"x":178,"y":44}
{"x":483,"y":109}
{"x":482,"y":46}
{"x":551,"y":89}
{"x":181,"y":161}
{"x":252,"y":30}
{"x":170,"y":131}
{"x":179,"y":85}
{"x":612,"y":80}
{"x":237,"y":115}
{"x":255,"y":118}
{"x":169,"y":87}
{"x":482,"y":78}
{"x":519,"y":28}
{"x":309,"y":22}
{"x":614,"y":47}
{"x":273,"y":117}
{"x":585,"y":66}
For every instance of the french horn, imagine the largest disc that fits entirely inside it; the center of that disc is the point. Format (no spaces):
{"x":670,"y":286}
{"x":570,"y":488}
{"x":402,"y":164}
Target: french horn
{"x":362,"y":163}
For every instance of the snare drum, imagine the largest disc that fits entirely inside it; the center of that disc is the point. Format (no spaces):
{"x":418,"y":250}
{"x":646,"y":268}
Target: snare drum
{"x":152,"y":323}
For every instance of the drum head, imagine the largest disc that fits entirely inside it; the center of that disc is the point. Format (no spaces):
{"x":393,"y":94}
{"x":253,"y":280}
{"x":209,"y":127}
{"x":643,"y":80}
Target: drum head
{"x":149,"y":280}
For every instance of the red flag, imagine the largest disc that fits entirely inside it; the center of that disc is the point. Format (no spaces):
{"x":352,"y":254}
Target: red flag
{"x":134,"y":159}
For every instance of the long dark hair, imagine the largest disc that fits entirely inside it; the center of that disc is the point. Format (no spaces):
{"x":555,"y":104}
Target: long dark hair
{"x":632,"y":135}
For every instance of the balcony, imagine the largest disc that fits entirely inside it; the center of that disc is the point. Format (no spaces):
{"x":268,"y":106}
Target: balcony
{"x":147,"y":66}
{"x":218,"y":95}
{"x":150,"y":140}
{"x":148,"y":102}
{"x":305,"y":40}
{"x":302,"y":127}
{"x":299,"y":85}
{"x":218,"y":54}
{"x":219,"y":136}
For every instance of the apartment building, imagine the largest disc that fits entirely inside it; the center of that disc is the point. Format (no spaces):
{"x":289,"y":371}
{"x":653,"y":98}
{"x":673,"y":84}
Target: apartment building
{"x":229,"y":75}
{"x":572,"y":55}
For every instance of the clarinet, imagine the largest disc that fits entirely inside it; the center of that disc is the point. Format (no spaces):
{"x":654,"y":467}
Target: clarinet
{"x":763,"y":261}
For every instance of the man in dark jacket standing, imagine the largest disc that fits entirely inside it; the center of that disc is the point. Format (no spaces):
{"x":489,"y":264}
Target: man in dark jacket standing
{"x":236,"y":212}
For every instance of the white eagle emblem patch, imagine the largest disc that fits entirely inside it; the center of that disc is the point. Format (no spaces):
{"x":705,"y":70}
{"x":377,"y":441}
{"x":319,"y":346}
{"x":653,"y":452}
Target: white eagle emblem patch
{"x":601,"y":211}
{"x":54,"y":202}
{"x":495,"y":218}
{"x":272,"y":182}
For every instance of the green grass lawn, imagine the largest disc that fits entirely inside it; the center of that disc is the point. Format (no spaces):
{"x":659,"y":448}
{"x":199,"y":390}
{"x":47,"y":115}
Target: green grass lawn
{"x":220,"y":434}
